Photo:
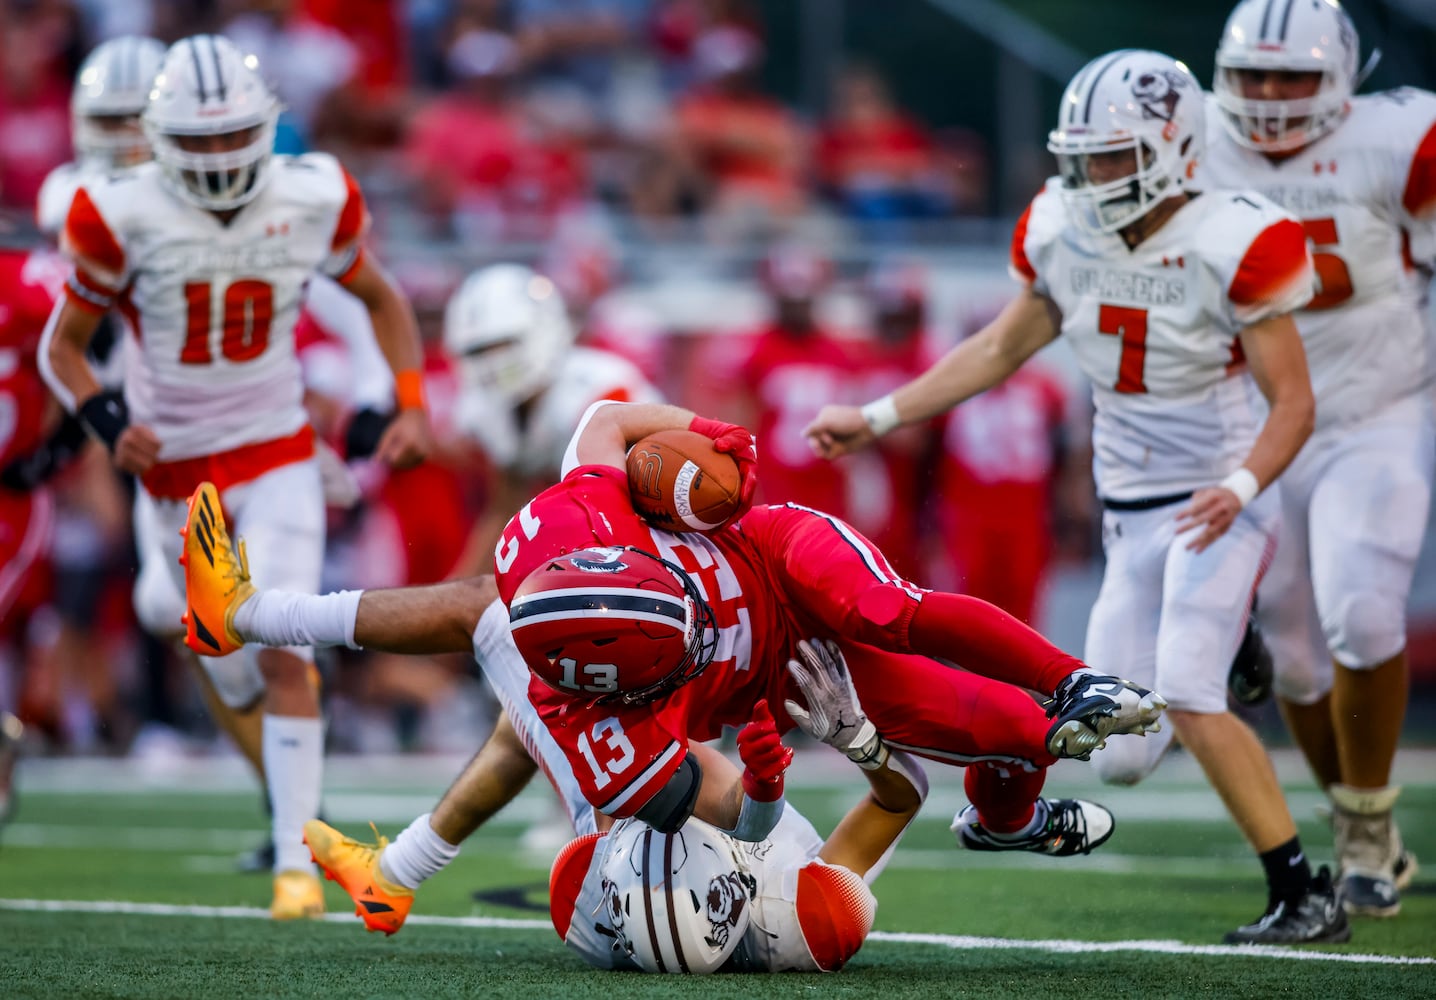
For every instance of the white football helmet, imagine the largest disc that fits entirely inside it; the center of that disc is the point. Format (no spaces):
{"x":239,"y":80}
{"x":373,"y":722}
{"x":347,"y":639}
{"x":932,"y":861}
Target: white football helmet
{"x":679,"y":902}
{"x":1286,"y":35}
{"x":508,"y":328}
{"x":1132,"y":100}
{"x":211,"y":121}
{"x":110,"y":93}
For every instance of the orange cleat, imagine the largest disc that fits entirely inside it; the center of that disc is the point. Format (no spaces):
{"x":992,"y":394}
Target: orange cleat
{"x":216,"y":579}
{"x":381,"y":904}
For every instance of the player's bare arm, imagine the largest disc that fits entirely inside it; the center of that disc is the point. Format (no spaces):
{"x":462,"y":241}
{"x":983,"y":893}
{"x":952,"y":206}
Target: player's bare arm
{"x":613,"y":427}
{"x":1027,"y":324}
{"x":134,"y":447}
{"x":408,"y":439}
{"x":1278,"y":364}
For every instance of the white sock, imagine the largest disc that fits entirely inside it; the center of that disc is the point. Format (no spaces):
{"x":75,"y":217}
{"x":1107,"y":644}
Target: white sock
{"x":278,"y":618}
{"x":294,"y":765}
{"x":416,"y":854}
{"x":1034,"y":825}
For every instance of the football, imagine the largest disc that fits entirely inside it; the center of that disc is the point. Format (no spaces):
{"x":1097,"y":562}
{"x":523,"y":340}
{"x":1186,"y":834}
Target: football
{"x":680,"y":482}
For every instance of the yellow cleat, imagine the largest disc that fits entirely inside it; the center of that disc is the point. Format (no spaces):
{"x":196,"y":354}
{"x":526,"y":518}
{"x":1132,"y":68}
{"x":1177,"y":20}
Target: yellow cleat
{"x":216,"y":579}
{"x":381,"y":904}
{"x":297,"y":895}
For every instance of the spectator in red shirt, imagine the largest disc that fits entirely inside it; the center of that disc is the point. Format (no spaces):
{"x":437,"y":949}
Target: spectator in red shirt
{"x":34,"y":102}
{"x":473,"y":153}
{"x":749,"y":149}
{"x":876,"y":161}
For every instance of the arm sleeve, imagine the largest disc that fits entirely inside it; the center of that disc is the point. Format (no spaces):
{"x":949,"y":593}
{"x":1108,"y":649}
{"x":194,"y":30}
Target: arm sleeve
{"x":672,"y":805}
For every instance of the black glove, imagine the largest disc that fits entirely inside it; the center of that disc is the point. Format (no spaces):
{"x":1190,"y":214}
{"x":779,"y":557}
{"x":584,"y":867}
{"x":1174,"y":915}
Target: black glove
{"x":365,"y":430}
{"x":29,"y":471}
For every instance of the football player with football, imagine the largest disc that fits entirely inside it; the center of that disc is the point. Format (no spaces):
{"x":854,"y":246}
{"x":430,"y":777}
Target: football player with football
{"x":639,"y":641}
{"x":1359,"y":172}
{"x":206,"y":252}
{"x":1178,"y":308}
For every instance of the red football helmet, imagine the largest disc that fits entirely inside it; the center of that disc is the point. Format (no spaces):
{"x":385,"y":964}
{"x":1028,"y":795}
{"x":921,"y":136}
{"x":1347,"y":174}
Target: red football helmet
{"x":615,"y":624}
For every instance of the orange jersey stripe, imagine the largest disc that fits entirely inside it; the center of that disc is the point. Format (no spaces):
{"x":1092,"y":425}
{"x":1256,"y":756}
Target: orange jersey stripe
{"x":178,"y":479}
{"x":1275,"y":259}
{"x":1019,"y":255}
{"x":1420,"y":196}
{"x":835,"y":911}
{"x":87,"y":238}
{"x":353,"y":218}
{"x":566,"y":878}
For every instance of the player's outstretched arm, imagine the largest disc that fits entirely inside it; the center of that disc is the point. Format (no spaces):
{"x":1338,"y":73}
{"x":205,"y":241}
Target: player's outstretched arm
{"x":1028,"y":323}
{"x":897,"y":783}
{"x":1277,"y":361}
{"x":408,"y":438}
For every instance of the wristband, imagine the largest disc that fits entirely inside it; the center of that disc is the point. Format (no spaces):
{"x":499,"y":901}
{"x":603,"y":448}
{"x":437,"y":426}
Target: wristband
{"x":409,"y":389}
{"x":881,"y":415}
{"x":1243,"y":483}
{"x":106,"y":416}
{"x":871,"y":755}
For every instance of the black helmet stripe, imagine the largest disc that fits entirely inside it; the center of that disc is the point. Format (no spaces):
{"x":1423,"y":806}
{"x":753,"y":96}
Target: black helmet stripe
{"x":218,"y":69}
{"x":1286,"y":19}
{"x":668,"y":895}
{"x":648,"y":891}
{"x":1266,"y":17}
{"x":198,"y":72}
{"x":636,"y":601}
{"x":1096,"y":79}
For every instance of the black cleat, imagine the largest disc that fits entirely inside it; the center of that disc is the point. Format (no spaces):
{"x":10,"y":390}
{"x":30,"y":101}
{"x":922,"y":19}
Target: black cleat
{"x":1073,"y":826}
{"x":1316,"y":916}
{"x":1250,"y":679}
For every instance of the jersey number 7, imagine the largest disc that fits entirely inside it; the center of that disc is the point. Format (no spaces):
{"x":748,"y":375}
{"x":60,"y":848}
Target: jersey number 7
{"x":244,"y":323}
{"x":1131,"y":325}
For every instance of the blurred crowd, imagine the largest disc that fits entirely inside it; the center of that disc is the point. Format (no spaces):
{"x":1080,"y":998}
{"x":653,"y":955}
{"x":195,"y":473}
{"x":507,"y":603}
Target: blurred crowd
{"x":484,"y":121}
{"x":499,"y":118}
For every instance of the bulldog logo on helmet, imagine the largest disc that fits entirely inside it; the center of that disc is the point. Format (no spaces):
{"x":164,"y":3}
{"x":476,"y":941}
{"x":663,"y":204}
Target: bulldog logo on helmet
{"x":609,"y":560}
{"x":728,"y":895}
{"x":1157,"y":91}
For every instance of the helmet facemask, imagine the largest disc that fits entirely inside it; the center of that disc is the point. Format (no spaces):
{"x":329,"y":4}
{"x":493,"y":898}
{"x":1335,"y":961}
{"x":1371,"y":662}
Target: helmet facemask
{"x":701,"y":640}
{"x":111,"y":141}
{"x":1314,"y":37}
{"x":216,"y":171}
{"x":1101,"y":205}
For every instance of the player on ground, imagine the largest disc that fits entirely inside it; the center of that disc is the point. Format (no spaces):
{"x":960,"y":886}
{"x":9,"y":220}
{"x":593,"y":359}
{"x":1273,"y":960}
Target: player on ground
{"x":1360,"y":175}
{"x":109,"y":95}
{"x":1177,"y":307}
{"x":206,"y":252}
{"x":792,"y":902}
{"x":802,"y":573}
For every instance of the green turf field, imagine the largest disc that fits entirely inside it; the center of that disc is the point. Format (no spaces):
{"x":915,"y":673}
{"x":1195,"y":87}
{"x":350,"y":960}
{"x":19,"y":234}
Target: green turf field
{"x":118,"y":882}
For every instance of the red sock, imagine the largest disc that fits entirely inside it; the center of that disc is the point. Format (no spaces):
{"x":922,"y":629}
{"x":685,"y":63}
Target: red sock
{"x":1003,"y":796}
{"x":983,"y":638}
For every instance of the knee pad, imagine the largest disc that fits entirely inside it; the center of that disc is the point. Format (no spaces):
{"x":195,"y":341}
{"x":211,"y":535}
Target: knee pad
{"x":1366,"y":629}
{"x":158,"y":603}
{"x":236,"y":677}
{"x":1126,"y":760}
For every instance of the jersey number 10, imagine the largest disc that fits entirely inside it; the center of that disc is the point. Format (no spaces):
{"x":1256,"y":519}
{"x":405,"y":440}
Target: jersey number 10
{"x":244,"y":324}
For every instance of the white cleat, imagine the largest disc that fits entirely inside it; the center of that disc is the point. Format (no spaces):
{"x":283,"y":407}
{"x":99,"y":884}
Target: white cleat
{"x":1087,"y":708}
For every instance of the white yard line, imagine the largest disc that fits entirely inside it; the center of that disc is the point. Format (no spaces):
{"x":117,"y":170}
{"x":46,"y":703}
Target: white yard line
{"x":959,"y":942}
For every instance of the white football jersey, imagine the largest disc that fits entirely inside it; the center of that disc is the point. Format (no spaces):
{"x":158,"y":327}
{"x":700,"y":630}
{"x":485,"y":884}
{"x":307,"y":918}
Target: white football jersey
{"x":53,"y":202}
{"x":212,"y":305}
{"x":536,"y":447}
{"x":1366,"y":196}
{"x":1155,"y":330}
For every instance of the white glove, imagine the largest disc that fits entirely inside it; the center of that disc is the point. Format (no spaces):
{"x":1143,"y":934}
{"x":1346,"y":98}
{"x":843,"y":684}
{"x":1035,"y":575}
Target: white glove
{"x":833,"y":715}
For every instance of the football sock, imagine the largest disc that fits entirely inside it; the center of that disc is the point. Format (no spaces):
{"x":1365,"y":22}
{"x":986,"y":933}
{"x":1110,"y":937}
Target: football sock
{"x":278,"y":618}
{"x":983,"y":638}
{"x":293,"y":764}
{"x":416,"y":854}
{"x":1006,"y":798}
{"x":1288,"y":875}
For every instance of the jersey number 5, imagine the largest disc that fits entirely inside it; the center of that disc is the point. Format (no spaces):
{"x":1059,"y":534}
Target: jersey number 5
{"x":244,"y":325}
{"x":1331,"y":270}
{"x":1131,"y":325}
